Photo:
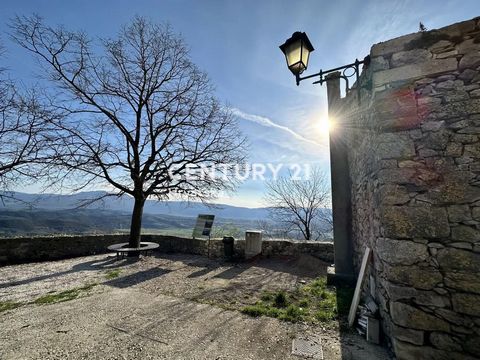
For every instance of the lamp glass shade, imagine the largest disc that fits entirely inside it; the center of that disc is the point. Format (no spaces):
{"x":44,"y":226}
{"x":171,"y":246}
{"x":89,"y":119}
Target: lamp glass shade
{"x":297,"y":51}
{"x":305,"y":55}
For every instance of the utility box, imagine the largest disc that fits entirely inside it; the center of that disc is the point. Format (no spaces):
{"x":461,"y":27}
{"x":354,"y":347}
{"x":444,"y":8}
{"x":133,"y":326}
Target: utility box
{"x":253,"y":243}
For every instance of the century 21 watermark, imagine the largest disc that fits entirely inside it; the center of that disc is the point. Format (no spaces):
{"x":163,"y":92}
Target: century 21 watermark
{"x":241,"y":172}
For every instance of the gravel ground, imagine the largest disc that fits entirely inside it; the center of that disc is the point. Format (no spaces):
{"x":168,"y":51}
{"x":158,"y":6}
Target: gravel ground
{"x":159,"y":307}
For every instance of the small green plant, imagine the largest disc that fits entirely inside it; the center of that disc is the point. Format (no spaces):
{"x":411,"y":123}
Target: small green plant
{"x":304,"y":303}
{"x":255,"y":310}
{"x":427,"y":39}
{"x":266,"y":297}
{"x":113,"y":274}
{"x":316,"y":287}
{"x":280,"y":299}
{"x":273,"y":312}
{"x":63,"y":296}
{"x":9,"y":305}
{"x":293,"y":313}
{"x":324,"y":316}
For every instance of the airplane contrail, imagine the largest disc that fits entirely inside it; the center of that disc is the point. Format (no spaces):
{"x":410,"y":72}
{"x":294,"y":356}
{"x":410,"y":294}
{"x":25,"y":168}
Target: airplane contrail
{"x":264,"y":121}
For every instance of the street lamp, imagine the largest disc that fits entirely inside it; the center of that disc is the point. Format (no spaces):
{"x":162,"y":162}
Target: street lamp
{"x":297,"y":51}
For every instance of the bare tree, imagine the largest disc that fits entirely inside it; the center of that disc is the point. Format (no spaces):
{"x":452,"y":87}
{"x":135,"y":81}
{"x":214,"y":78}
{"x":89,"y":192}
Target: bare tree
{"x":135,"y":113}
{"x":22,"y":134}
{"x":301,"y":206}
{"x":272,"y":229}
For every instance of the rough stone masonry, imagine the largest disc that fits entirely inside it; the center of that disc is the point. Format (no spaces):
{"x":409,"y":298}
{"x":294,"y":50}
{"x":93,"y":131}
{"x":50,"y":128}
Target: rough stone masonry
{"x":414,"y":166}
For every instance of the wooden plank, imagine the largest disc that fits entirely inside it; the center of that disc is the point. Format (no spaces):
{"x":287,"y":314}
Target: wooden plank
{"x":358,"y":287}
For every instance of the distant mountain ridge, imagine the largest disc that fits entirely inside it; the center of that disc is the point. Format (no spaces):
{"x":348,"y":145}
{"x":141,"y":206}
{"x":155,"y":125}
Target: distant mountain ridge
{"x":125,"y":204}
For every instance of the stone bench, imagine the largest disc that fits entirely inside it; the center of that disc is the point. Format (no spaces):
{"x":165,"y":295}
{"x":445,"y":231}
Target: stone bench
{"x":122,"y":249}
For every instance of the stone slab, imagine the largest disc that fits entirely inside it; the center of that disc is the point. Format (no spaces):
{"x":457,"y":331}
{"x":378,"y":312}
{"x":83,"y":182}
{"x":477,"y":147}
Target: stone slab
{"x":414,"y":71}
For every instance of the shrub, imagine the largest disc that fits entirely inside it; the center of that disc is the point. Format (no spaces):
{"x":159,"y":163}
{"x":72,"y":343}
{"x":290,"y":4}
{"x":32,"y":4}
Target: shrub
{"x":280,"y":299}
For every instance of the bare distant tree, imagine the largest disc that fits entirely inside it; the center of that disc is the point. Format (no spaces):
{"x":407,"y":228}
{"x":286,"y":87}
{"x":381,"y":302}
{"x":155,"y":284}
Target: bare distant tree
{"x":266,"y":227}
{"x":272,"y":229}
{"x":134,"y":112}
{"x":22,"y":134}
{"x":301,"y":206}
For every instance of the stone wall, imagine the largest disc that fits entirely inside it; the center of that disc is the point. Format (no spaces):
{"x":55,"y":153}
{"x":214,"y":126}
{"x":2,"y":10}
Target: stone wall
{"x":414,"y":163}
{"x":21,"y":250}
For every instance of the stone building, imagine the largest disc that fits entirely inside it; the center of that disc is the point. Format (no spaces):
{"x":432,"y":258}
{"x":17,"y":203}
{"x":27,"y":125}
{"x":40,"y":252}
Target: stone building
{"x":413,"y":150}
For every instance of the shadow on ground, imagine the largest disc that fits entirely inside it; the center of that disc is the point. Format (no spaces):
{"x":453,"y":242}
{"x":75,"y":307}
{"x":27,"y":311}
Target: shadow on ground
{"x":94,"y":265}
{"x":137,"y":278}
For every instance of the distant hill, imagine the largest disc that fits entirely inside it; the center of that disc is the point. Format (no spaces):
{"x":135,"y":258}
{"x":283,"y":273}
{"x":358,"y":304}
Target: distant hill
{"x":125,"y":204}
{"x":45,"y":214}
{"x":97,"y":221}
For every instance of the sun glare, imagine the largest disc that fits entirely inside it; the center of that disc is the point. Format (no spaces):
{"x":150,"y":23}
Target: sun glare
{"x":325,"y":125}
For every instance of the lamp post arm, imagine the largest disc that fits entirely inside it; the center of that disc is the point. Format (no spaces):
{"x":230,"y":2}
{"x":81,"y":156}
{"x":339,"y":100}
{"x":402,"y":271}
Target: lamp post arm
{"x":355,"y":66}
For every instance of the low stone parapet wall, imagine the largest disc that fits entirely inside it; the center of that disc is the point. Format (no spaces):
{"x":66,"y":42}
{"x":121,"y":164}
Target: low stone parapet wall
{"x":322,"y":250}
{"x":30,"y":249}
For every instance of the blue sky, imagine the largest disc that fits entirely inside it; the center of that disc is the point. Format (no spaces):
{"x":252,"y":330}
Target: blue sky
{"x":236,"y":43}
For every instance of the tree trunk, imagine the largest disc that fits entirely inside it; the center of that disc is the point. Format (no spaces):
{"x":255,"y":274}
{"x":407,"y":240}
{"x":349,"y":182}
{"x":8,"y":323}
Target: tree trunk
{"x":308,"y":235}
{"x":136,"y":224}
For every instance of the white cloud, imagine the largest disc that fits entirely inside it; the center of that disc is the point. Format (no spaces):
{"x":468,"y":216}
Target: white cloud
{"x":264,"y":121}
